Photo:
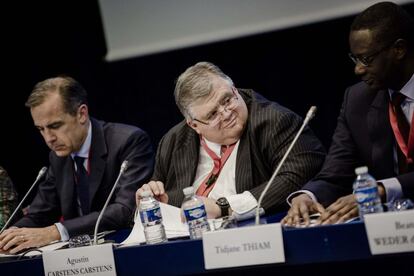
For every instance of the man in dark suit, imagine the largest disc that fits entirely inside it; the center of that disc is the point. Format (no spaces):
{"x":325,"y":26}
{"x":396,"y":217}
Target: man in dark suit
{"x":85,"y":159}
{"x":382,"y":48}
{"x":228,"y":147}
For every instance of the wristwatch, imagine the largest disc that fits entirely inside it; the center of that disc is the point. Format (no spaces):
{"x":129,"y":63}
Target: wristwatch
{"x":224,"y":206}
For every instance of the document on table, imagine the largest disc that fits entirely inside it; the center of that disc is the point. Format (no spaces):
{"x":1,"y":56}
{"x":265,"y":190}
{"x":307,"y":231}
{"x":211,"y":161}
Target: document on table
{"x":171,"y":218}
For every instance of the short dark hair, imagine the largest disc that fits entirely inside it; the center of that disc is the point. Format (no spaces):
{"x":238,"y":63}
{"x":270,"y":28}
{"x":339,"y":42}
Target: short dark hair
{"x":388,"y":21}
{"x":71,"y":91}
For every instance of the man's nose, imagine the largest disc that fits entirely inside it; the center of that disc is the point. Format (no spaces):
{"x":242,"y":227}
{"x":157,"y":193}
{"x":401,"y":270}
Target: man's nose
{"x":49,"y":136}
{"x":359,"y":69}
{"x":224,"y":113}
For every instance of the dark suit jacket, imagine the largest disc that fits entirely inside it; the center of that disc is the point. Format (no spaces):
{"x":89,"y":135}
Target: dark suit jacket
{"x":363,"y":137}
{"x":270,"y":129}
{"x":111,"y":145}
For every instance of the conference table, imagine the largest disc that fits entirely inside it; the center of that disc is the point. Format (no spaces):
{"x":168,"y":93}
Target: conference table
{"x":321,"y":250}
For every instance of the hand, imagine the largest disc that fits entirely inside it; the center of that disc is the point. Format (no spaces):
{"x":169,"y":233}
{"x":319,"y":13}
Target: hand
{"x":212,"y":209}
{"x":341,"y":210}
{"x":302,"y":205}
{"x":157,"y":190}
{"x":382,"y":192}
{"x":14,"y":240}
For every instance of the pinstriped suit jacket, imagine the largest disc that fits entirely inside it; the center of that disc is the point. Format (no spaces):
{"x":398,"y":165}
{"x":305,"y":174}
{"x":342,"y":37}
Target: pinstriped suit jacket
{"x":270,"y":129}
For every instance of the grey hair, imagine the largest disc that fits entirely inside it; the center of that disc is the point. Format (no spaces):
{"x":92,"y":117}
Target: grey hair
{"x":196,"y":83}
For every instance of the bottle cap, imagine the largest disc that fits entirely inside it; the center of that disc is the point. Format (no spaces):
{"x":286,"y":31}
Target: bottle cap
{"x":145,"y":193}
{"x":188,"y":190}
{"x":361,"y":170}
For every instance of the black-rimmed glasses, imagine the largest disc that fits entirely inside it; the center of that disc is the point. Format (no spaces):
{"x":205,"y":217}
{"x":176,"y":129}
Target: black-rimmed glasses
{"x":367,"y":60}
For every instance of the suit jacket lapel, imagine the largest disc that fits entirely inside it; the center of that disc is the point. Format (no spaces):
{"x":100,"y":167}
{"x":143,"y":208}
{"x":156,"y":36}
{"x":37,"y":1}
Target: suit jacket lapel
{"x":97,"y":163}
{"x":185,"y":159}
{"x":380,"y":134}
{"x":244,"y":178}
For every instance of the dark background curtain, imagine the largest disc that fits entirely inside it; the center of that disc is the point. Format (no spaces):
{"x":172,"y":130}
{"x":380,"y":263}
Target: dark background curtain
{"x":297,"y":67}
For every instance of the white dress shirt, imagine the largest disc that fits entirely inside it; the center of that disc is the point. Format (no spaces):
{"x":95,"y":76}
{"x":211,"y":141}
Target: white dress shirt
{"x":225,"y":185}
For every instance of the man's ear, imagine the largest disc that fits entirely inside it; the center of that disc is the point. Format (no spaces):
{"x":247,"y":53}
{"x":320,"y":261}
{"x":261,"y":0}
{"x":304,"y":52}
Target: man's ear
{"x":193,"y":125}
{"x":400,"y":48}
{"x":83,"y":113}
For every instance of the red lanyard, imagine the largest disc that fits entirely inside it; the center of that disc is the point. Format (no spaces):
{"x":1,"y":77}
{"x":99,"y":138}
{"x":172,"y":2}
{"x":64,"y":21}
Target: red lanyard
{"x":406,"y":149}
{"x":209,"y":182}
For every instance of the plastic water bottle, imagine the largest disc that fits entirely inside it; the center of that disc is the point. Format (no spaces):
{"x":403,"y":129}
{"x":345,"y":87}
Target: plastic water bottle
{"x":151,"y":218}
{"x":195,"y":214}
{"x":366,"y":193}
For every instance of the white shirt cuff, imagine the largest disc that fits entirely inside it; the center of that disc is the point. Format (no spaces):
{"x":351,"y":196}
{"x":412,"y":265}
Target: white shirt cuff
{"x":64,"y":235}
{"x":242,"y":203}
{"x":392,"y":188}
{"x":292,"y":195}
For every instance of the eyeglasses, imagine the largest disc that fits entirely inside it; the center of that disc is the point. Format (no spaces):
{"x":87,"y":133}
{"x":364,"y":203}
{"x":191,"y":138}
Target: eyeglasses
{"x":367,"y":60}
{"x":228,"y":104}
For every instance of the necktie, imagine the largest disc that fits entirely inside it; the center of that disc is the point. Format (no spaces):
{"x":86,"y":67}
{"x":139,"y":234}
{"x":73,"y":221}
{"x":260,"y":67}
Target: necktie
{"x":401,"y":129}
{"x":403,"y":126}
{"x":209,"y":182}
{"x":82,"y":186}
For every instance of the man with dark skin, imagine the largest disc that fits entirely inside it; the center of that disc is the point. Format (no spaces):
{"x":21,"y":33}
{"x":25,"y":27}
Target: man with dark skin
{"x":381,"y":41}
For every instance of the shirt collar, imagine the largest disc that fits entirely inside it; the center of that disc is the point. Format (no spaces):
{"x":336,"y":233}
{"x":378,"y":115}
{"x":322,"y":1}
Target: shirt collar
{"x":216,"y":148}
{"x":407,"y":90}
{"x":84,"y":150}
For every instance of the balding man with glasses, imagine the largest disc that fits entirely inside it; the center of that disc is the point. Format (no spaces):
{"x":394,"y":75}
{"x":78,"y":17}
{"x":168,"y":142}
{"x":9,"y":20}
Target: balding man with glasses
{"x":228,"y":146}
{"x":375,"y":125}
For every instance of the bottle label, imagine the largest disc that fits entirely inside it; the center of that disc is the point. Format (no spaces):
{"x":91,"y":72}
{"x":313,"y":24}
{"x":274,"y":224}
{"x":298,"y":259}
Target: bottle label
{"x":150,"y":215}
{"x":366,"y":194}
{"x":195,"y":213}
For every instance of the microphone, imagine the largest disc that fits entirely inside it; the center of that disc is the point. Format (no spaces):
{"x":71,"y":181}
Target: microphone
{"x":39,"y":176}
{"x":124,"y":167}
{"x":309,"y":116}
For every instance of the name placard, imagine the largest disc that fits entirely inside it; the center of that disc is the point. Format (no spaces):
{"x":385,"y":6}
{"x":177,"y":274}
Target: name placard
{"x":253,"y":245}
{"x":89,"y":260}
{"x":390,"y":232}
